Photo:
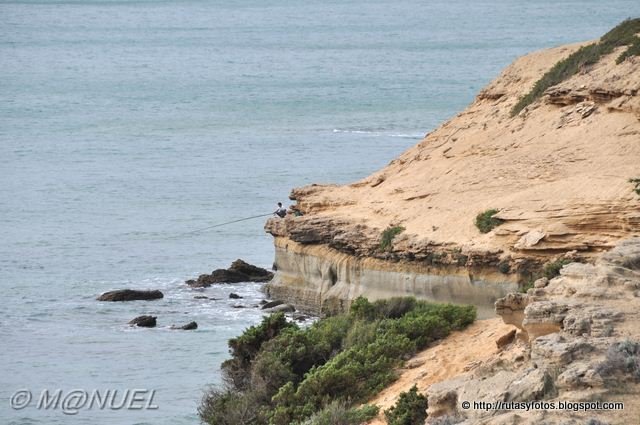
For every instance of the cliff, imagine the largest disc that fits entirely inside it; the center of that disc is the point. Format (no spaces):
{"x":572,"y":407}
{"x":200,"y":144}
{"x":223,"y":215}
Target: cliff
{"x":578,"y":341}
{"x":557,"y":175}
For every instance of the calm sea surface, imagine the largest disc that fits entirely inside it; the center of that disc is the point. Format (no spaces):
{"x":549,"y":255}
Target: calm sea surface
{"x":126,"y":123}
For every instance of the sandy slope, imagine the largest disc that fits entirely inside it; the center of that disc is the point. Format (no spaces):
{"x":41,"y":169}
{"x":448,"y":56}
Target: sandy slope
{"x":459,"y":352}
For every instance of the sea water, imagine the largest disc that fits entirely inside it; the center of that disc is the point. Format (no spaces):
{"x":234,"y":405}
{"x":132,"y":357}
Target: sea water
{"x":126,"y":124}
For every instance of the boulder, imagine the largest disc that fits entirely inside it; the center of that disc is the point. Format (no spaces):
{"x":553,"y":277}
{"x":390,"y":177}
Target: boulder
{"x":130,"y":295}
{"x":188,"y":327}
{"x":284,"y":308}
{"x":144,"y":321}
{"x":239,"y":271}
{"x":511,"y":308}
{"x":234,"y":296}
{"x":299,"y":317}
{"x":271,"y":304}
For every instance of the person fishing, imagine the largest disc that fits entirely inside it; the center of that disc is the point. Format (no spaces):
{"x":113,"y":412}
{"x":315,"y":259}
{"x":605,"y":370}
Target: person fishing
{"x":281,"y":211}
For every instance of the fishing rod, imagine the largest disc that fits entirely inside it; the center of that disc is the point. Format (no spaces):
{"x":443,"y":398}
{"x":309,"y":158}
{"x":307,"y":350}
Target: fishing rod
{"x":219,"y":225}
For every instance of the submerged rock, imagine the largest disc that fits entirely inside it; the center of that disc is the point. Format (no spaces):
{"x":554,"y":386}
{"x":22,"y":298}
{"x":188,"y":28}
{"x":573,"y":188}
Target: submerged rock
{"x":144,"y":321}
{"x":234,"y":296}
{"x":239,"y":271}
{"x":130,"y":295}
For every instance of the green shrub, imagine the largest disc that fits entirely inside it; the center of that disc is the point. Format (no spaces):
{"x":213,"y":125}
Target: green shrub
{"x":388,"y":234}
{"x":294,"y":375}
{"x":227,"y":408}
{"x":362,"y":332}
{"x":636,"y":185}
{"x":623,"y":34}
{"x":244,"y":348}
{"x":339,"y":413}
{"x":504,"y":267}
{"x":486,"y":222}
{"x":525,"y":287}
{"x":411,"y":409}
{"x":553,"y":268}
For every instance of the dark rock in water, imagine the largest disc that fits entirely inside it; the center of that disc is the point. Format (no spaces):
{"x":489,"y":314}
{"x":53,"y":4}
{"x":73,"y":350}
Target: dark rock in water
{"x":188,"y":327}
{"x":263,"y":302}
{"x":299,"y":317}
{"x":239,"y":306}
{"x":200,"y":297}
{"x":234,"y":296}
{"x":271,"y":304}
{"x":285,"y":308}
{"x":144,"y":321}
{"x":130,"y":295}
{"x":239,"y":271}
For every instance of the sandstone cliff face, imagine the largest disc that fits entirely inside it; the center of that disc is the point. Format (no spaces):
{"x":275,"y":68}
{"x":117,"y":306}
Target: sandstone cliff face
{"x":320,"y":279}
{"x":558,"y":173}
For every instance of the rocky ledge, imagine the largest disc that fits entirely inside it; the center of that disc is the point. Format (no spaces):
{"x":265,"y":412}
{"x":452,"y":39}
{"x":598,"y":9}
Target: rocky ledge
{"x":578,"y":340}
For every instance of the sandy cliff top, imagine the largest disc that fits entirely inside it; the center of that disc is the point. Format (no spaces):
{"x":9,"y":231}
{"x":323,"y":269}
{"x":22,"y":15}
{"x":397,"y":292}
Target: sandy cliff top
{"x":558,"y":172}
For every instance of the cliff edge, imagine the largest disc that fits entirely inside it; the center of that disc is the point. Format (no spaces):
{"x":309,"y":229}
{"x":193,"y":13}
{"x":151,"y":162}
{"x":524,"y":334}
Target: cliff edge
{"x":555,"y":176}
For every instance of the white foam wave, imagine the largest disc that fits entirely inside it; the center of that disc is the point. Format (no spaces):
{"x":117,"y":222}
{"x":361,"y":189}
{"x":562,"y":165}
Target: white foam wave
{"x":375,"y":133}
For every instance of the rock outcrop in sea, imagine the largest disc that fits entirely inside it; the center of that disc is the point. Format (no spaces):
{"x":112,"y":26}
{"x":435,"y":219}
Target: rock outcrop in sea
{"x":239,"y":271}
{"x":130,"y":295}
{"x":144,"y":321}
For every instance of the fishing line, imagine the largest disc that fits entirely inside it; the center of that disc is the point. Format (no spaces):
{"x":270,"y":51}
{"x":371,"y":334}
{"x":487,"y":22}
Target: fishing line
{"x":218,"y":225}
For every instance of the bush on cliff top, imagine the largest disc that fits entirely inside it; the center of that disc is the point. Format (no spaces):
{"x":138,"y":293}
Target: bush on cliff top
{"x":625,"y":34}
{"x":410,"y":409}
{"x":486,"y":222}
{"x":388,"y":235}
{"x":294,"y":376}
{"x":636,"y":185}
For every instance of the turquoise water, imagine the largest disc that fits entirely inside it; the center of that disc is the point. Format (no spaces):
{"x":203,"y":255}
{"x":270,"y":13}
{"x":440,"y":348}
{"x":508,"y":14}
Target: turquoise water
{"x":126,"y":123}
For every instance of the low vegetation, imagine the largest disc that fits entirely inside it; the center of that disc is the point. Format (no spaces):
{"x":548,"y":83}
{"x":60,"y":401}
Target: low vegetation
{"x":526,"y":286}
{"x":504,"y":267}
{"x":623,"y":358}
{"x":486,"y":222}
{"x":281,"y":374}
{"x":636,"y":185}
{"x":625,"y":34}
{"x":338,"y":413}
{"x":388,"y":235}
{"x":553,"y":268}
{"x":410,"y":409}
